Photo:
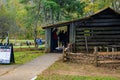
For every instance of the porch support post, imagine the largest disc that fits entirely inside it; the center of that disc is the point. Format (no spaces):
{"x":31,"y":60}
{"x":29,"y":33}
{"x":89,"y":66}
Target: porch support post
{"x":72,"y":35}
{"x":47,"y":40}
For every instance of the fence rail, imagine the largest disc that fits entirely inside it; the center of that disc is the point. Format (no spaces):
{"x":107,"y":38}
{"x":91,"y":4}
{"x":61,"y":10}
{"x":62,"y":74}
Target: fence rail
{"x":105,"y":57}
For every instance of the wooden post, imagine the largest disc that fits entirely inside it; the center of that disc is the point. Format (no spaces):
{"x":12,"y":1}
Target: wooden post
{"x":95,"y":56}
{"x":47,"y":40}
{"x":64,"y":55}
{"x":107,"y":49}
{"x":86,"y":44}
{"x":72,"y":35}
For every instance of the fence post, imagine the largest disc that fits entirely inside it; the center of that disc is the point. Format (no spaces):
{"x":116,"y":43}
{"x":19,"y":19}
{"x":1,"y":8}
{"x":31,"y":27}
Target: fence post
{"x":95,"y":56}
{"x":64,"y":55}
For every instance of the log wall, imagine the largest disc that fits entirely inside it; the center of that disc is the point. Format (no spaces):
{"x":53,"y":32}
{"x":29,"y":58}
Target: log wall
{"x":100,"y":30}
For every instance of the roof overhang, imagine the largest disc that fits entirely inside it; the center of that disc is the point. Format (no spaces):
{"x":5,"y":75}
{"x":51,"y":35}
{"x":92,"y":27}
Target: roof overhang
{"x":66,"y":23}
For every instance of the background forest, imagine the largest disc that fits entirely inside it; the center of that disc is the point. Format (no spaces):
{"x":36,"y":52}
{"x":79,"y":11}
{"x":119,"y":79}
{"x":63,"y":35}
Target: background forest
{"x":23,"y":19}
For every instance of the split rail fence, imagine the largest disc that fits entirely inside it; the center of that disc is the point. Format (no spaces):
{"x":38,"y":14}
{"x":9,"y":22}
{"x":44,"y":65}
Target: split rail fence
{"x":106,"y":57}
{"x":97,"y":58}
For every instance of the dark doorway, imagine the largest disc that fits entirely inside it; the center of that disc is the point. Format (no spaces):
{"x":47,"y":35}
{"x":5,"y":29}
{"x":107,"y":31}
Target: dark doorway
{"x":59,"y":38}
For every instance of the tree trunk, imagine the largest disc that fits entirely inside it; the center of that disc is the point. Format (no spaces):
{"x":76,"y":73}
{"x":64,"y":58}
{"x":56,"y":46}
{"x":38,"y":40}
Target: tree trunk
{"x":36,"y":24}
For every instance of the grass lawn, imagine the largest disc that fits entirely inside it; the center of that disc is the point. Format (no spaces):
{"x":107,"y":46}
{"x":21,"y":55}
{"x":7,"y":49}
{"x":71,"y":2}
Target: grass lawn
{"x":31,"y":46}
{"x":26,"y":56}
{"x":71,"y":77}
{"x":19,"y":41}
{"x":72,"y":71}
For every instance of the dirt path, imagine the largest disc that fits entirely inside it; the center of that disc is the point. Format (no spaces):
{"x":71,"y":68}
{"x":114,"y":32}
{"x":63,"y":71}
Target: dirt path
{"x":81,"y":69}
{"x":28,"y":70}
{"x":4,"y":69}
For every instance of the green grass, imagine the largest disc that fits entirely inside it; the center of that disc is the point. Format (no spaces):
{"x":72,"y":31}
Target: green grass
{"x":22,"y":41}
{"x":31,"y":46}
{"x":23,"y":57}
{"x":71,"y":77}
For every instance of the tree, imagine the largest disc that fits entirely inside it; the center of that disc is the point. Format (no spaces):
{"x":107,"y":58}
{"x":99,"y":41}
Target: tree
{"x":60,"y":10}
{"x":116,"y":5}
{"x":5,"y":22}
{"x":33,"y":6}
{"x":93,"y":6}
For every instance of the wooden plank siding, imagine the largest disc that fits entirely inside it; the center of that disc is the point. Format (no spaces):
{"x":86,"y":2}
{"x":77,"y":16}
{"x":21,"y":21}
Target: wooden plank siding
{"x":104,"y":29}
{"x":97,"y":38}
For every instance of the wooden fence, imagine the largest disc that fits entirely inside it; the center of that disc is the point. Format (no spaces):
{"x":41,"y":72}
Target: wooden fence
{"x":68,"y":56}
{"x":97,"y":58}
{"x":105,"y":57}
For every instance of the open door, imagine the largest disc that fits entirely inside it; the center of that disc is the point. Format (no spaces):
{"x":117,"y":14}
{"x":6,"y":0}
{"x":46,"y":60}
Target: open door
{"x":59,"y":38}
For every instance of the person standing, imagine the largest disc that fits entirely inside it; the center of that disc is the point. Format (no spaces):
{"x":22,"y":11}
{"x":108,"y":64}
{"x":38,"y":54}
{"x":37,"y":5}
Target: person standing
{"x":40,"y":41}
{"x":7,"y":39}
{"x":60,"y":37}
{"x":66,"y":39}
{"x":55,"y":39}
{"x":37,"y":42}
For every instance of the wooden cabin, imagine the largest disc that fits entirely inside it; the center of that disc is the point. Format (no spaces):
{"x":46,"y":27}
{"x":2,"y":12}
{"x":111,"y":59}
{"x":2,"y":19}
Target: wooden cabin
{"x":100,"y":29}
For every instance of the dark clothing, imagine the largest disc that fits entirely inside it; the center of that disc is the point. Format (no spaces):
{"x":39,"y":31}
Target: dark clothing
{"x":65,"y":39}
{"x":27,"y":43}
{"x":40,"y":42}
{"x":61,"y":37}
{"x":54,"y":35}
{"x":54,"y":40}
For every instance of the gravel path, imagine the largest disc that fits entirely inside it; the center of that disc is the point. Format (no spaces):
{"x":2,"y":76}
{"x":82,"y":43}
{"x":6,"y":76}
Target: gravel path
{"x":28,"y":70}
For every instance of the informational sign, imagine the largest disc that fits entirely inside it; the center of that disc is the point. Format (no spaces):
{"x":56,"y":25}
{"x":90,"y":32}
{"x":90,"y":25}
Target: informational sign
{"x":87,"y":32}
{"x":5,"y":54}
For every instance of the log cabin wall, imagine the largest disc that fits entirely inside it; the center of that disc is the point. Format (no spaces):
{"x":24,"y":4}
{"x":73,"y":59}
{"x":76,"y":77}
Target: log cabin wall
{"x":101,"y":29}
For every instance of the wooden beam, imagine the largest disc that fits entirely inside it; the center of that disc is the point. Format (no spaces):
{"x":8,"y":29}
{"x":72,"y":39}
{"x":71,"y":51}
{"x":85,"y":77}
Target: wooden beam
{"x":47,"y":40}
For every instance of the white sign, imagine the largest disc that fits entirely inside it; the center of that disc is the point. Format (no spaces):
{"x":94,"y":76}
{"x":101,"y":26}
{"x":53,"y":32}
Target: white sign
{"x":5,"y":53}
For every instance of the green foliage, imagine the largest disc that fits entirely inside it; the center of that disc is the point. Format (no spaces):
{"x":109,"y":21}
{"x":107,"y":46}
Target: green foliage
{"x":24,"y":16}
{"x":51,"y":4}
{"x":93,"y":6}
{"x":24,"y":1}
{"x":70,"y":7}
{"x":23,"y":57}
{"x":42,"y":32}
{"x":4,"y":19}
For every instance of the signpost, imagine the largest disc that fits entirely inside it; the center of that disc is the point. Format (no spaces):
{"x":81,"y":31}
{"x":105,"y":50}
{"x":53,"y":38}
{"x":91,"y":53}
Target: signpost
{"x":6,"y":54}
{"x":6,"y":50}
{"x":86,"y":34}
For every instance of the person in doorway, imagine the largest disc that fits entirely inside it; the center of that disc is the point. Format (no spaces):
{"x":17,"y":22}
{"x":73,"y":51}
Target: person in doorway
{"x":60,"y":37}
{"x":65,"y":39}
{"x":55,"y":39}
